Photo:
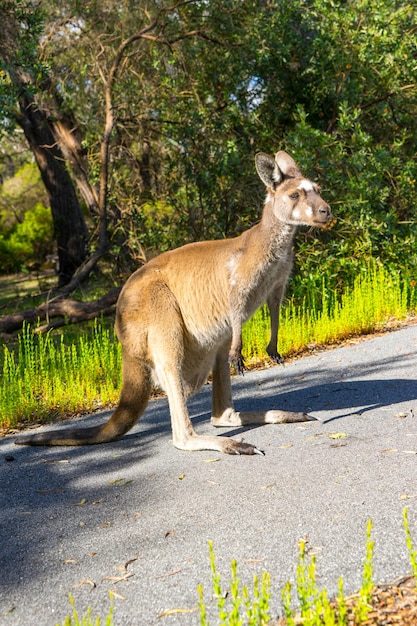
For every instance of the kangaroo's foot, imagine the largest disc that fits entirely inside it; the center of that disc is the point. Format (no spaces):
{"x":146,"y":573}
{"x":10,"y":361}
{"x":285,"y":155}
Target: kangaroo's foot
{"x":237,"y":361}
{"x":276,"y":357}
{"x":245,"y":418}
{"x":219,"y":444}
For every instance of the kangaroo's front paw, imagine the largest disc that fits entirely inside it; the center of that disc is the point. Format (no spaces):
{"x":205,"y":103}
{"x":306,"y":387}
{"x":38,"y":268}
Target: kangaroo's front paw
{"x":275,"y":356}
{"x":236,"y":359}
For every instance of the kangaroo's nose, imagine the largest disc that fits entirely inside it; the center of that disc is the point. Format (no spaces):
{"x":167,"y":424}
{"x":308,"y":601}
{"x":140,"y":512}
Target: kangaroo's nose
{"x":326,"y":217}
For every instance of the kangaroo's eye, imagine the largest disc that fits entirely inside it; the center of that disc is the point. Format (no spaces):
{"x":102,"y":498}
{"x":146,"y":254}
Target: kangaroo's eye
{"x":294,"y":196}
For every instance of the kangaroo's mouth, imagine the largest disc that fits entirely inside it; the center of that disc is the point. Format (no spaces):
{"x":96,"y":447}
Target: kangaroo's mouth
{"x":326,"y":224}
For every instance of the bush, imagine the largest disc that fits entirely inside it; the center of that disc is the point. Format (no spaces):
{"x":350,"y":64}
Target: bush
{"x":29,"y":241}
{"x":371,"y":188}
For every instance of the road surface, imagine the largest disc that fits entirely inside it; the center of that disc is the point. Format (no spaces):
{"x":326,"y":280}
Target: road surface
{"x":135,"y":516}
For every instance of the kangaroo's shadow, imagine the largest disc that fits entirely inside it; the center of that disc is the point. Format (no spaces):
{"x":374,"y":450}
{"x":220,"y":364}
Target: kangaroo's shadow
{"x":355,"y":396}
{"x":331,"y":401}
{"x":326,"y":401}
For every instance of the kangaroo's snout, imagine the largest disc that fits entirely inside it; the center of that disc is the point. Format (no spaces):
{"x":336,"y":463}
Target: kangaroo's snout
{"x":324,"y":215}
{"x":326,"y":219}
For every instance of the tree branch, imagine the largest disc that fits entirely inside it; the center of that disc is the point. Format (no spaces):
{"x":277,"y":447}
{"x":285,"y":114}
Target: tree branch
{"x":72,"y":312}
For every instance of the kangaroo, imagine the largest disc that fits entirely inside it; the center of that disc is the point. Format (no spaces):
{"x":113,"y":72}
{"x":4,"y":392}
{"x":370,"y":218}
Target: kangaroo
{"x":180,"y":316}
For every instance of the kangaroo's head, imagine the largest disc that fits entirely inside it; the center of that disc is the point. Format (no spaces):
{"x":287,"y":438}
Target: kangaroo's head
{"x":292,"y":198}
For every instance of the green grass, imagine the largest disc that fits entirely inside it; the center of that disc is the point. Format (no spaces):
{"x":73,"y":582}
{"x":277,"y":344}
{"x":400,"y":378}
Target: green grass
{"x":236,"y":605}
{"x":88,"y":619}
{"x":376,"y":297}
{"x":47,"y":376}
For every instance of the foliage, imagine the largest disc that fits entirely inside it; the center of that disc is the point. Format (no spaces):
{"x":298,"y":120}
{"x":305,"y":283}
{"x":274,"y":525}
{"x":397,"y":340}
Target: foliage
{"x":28,"y":242}
{"x":23,"y":26}
{"x":20,"y":193}
{"x":26,"y":236}
{"x":371,"y":189}
{"x":332,"y":82}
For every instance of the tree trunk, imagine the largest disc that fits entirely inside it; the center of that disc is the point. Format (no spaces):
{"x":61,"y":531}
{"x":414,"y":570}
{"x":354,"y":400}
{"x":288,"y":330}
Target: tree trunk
{"x":69,"y":225}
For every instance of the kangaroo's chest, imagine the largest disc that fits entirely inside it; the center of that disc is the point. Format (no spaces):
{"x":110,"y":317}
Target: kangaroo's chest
{"x":263,"y":282}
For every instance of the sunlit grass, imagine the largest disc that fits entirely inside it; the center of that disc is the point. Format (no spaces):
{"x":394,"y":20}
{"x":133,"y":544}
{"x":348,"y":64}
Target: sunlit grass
{"x":236,"y":605}
{"x":88,"y":619}
{"x":375,"y":298}
{"x":303,"y":602}
{"x":47,"y":376}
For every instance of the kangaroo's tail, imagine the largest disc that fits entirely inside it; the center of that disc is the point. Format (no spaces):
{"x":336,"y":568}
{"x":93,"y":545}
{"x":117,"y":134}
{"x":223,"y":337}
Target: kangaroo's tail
{"x":133,"y":400}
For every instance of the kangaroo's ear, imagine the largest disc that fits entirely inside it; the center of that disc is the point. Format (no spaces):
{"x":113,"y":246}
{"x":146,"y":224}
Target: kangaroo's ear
{"x":268,"y":170}
{"x":287,"y":165}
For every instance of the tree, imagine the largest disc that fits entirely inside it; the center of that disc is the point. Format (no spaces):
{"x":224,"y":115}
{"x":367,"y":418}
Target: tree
{"x":50,"y":125}
{"x":40,"y":116}
{"x":56,"y":138}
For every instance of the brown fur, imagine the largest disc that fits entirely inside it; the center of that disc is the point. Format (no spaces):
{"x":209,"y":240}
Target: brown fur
{"x":180,"y":317}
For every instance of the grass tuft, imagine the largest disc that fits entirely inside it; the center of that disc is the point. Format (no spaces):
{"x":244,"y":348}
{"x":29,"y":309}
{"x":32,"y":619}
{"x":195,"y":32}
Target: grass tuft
{"x":314,"y":608}
{"x":88,"y":619}
{"x":375,"y":298}
{"x":45,"y":377}
{"x":412,"y":553}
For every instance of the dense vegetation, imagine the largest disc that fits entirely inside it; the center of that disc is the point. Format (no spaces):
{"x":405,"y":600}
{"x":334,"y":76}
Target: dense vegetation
{"x":159,"y":108}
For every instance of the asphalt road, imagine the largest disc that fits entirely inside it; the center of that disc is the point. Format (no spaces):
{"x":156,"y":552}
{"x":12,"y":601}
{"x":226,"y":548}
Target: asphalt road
{"x":135,"y":516}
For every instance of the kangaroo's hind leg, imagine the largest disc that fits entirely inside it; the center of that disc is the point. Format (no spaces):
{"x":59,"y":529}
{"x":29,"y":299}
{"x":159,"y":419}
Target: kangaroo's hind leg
{"x":223,"y":412}
{"x":175,"y":363}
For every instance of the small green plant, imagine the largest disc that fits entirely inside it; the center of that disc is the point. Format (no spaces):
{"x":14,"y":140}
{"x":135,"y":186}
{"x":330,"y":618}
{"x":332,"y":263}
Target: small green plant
{"x":341,"y":604}
{"x":217,"y":588}
{"x":256,"y":607}
{"x":412,"y":553}
{"x":314,"y":606}
{"x":365,"y":593}
{"x":88,"y":619}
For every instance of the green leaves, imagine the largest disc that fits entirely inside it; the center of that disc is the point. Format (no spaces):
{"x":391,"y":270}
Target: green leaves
{"x":20,"y":64}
